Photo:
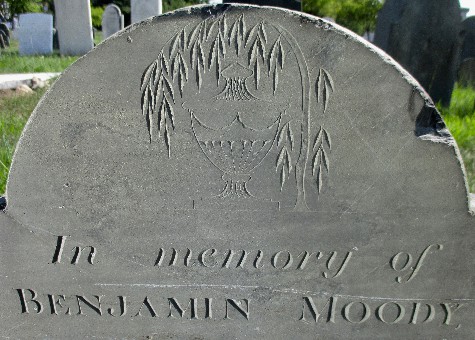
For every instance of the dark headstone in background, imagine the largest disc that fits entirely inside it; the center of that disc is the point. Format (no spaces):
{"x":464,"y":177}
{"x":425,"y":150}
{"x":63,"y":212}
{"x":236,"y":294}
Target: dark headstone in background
{"x":387,"y":16}
{"x":426,"y":40}
{"x":466,"y":73}
{"x":290,"y":4}
{"x":468,"y":31}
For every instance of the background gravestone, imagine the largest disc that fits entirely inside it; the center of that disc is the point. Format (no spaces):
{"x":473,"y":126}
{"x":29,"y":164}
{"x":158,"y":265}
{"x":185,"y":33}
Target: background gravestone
{"x":35,"y":34}
{"x":253,"y":173}
{"x":468,"y":31}
{"x":74,"y":25}
{"x":466,"y":73}
{"x":112,"y":21}
{"x":426,"y":40}
{"x":144,"y":9}
{"x":388,"y":16}
{"x":290,"y":4}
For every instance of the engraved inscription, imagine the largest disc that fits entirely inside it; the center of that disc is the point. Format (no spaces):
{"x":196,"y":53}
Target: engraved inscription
{"x":359,"y":311}
{"x":77,"y":251}
{"x":334,"y":263}
{"x":120,"y":306}
{"x":403,"y":262}
{"x":333,"y":309}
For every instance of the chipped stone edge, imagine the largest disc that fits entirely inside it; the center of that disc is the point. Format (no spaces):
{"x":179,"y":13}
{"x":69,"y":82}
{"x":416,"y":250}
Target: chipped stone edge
{"x":441,"y":135}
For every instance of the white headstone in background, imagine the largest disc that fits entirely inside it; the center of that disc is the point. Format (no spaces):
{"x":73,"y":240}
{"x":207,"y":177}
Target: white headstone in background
{"x":35,"y":34}
{"x":144,"y":9}
{"x":112,"y":21}
{"x":74,"y":25}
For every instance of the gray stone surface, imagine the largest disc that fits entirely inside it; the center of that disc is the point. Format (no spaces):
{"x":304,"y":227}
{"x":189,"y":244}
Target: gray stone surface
{"x":468,"y":31}
{"x":73,"y":22}
{"x":424,"y":37}
{"x":112,"y":21}
{"x":144,"y":9}
{"x":35,"y":34}
{"x":290,"y":4}
{"x":305,"y":181}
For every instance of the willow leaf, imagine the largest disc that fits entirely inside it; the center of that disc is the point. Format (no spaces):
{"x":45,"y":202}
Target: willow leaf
{"x":201,"y":57}
{"x":222,"y":45}
{"x":250,"y":34}
{"x":282,"y":179}
{"x":280,"y":158}
{"x":169,"y":87}
{"x":194,"y":34}
{"x":233,"y":32}
{"x":316,"y":161}
{"x":184,"y":67}
{"x":164,"y":63}
{"x":146,"y":76}
{"x":170,"y":113}
{"x":253,"y":53}
{"x":327,"y":138}
{"x":175,"y":65}
{"x":288,"y":160}
{"x":181,"y":81}
{"x":218,"y":69}
{"x":281,"y":136}
{"x":174,"y":45}
{"x":193,"y":55}
{"x":156,"y":74}
{"x":263,"y":32}
{"x":212,"y":53}
{"x":325,"y":160}
{"x":242,"y":26}
{"x":224,"y":26}
{"x":210,"y":29}
{"x":290,"y":136}
{"x":318,"y":138}
{"x":281,"y":57}
{"x":167,"y":140}
{"x":276,"y":80}
{"x":262,"y":49}
{"x":182,"y":39}
{"x":198,"y":77}
{"x":319,"y":179}
{"x":257,"y":71}
{"x":273,"y":55}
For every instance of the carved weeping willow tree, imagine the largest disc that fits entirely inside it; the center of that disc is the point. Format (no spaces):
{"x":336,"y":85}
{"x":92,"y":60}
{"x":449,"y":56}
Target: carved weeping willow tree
{"x":192,"y":52}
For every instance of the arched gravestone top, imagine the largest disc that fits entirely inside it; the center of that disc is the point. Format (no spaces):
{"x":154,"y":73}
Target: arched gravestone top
{"x":236,"y":171}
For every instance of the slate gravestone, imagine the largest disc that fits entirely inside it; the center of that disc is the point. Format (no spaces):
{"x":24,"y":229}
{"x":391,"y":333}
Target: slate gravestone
{"x":466,"y":73}
{"x":35,"y":34}
{"x":112,"y":21}
{"x":74,"y":25}
{"x":290,"y":4}
{"x":468,"y":31}
{"x":253,"y":173}
{"x":144,"y":9}
{"x":424,"y":37}
{"x":388,"y":16}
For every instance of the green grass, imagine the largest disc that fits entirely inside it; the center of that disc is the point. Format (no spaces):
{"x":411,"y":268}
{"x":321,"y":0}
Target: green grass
{"x":460,"y":120}
{"x":14,"y":112}
{"x":12,"y":62}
